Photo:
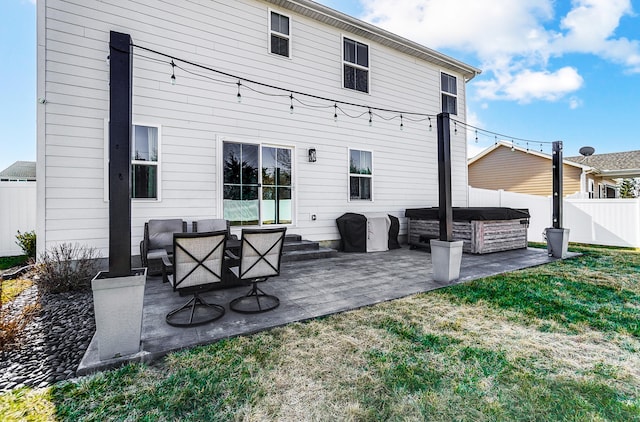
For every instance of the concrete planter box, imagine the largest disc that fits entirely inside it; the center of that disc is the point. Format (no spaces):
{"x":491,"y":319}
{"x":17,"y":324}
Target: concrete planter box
{"x":118,"y":303}
{"x":446,"y":258}
{"x":557,"y":242}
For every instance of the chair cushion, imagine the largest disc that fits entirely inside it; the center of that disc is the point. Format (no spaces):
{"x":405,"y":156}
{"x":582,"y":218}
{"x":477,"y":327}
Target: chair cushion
{"x":161,"y":233}
{"x":211,"y":225}
{"x":156,"y":253}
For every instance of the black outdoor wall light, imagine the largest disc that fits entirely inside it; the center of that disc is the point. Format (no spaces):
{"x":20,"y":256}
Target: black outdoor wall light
{"x":312,"y":155}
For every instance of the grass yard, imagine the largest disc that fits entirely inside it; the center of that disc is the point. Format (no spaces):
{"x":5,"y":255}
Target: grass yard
{"x":556,"y":342}
{"x":12,"y":261}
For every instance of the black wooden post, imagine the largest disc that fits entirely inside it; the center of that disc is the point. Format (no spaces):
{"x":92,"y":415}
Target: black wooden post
{"x":120,"y":120}
{"x":557,"y":184}
{"x":445,"y":212}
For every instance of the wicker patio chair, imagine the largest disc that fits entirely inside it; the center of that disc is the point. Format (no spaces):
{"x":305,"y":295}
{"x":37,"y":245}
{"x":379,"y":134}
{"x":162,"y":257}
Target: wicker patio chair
{"x":260,"y":256}
{"x":198,"y":260}
{"x":158,"y":242}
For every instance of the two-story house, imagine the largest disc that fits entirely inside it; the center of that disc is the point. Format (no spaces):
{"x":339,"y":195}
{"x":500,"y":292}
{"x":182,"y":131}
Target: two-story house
{"x":271,"y":112}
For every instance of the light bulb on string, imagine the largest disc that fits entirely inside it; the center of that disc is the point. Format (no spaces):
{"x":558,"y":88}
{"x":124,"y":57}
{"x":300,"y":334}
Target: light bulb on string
{"x":335,"y":112}
{"x":476,"y":136}
{"x":430,"y":127}
{"x":370,"y":118}
{"x":455,"y":128}
{"x":291,"y":106}
{"x":401,"y":123}
{"x":513,"y":148}
{"x":173,"y":73}
{"x":527,"y":147}
{"x":239,"y":96}
{"x":495,"y":137}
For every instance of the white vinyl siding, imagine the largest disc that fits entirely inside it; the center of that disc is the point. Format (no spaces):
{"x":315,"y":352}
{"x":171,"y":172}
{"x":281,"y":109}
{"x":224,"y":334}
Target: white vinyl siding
{"x":193,"y":113}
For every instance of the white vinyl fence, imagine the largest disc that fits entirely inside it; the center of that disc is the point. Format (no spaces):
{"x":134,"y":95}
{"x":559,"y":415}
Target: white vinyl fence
{"x":18,"y":212}
{"x":612,"y":222}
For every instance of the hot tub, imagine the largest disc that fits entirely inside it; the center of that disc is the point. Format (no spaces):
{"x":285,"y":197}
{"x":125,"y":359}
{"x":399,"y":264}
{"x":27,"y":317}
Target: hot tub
{"x":482,"y":229}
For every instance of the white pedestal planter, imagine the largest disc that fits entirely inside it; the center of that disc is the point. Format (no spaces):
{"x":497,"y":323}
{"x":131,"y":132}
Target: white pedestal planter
{"x":557,"y":242}
{"x":446,"y":258}
{"x":118,"y":311}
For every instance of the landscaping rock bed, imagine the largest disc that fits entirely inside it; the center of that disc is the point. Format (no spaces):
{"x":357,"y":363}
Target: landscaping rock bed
{"x":53,"y":343}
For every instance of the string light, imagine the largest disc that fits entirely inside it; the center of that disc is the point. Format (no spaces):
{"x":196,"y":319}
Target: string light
{"x":513,"y":148}
{"x":455,"y":127}
{"x":403,"y":114}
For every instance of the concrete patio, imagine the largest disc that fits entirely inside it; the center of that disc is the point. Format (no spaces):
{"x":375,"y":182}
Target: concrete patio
{"x":307,"y":289}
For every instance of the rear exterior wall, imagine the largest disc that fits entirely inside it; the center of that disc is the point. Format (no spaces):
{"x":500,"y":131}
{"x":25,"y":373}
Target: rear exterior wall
{"x":197,"y":114}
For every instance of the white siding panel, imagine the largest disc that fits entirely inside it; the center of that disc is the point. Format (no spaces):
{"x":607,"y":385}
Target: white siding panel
{"x":193,"y":114}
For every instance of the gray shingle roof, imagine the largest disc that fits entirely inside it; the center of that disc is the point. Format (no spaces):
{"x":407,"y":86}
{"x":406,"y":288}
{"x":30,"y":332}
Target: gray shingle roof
{"x":612,"y":161}
{"x":24,"y":170}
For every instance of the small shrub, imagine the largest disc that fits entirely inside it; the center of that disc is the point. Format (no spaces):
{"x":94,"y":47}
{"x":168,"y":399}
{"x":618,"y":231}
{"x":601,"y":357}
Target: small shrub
{"x":27,"y":242}
{"x":12,"y":326}
{"x":66,"y":267}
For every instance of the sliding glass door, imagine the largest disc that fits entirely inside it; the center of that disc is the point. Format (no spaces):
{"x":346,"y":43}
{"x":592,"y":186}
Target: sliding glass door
{"x":257,"y":184}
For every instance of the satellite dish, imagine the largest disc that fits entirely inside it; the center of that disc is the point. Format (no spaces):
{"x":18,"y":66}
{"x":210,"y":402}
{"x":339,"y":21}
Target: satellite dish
{"x":587,"y":151}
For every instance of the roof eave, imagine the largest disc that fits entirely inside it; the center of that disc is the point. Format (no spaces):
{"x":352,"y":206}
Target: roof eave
{"x":527,"y":151}
{"x":366,"y":30}
{"x":623,"y":173}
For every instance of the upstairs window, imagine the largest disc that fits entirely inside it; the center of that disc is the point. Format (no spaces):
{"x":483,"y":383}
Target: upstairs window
{"x":144,"y":162}
{"x":360,"y":174}
{"x":356,"y":65}
{"x":280,"y":34}
{"x":449,"y":88}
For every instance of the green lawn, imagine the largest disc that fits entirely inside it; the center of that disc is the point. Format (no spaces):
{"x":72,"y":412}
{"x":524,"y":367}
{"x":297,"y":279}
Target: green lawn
{"x":555,"y":342}
{"x":12,"y":261}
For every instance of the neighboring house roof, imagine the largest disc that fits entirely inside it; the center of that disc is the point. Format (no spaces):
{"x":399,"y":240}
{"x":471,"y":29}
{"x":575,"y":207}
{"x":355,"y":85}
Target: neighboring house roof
{"x":362,"y":29}
{"x":20,"y":170}
{"x":499,"y":144}
{"x":615,"y":164}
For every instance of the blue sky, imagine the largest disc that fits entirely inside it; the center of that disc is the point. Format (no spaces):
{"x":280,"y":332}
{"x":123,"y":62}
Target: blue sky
{"x":552,"y":69}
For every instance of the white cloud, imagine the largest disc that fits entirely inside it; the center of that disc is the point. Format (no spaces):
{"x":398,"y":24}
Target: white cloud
{"x":486,"y":27}
{"x":590,"y":28}
{"x":473,"y":147}
{"x":515,"y":41}
{"x":527,"y":85}
{"x":574,"y":103}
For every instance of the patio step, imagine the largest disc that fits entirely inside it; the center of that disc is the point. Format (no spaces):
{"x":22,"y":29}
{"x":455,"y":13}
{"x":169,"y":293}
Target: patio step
{"x":297,"y":249}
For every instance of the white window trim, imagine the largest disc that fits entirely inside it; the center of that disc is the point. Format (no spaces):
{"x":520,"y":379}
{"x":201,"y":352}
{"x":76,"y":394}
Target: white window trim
{"x":443,"y":92}
{"x":357,"y":66}
{"x":220,"y":140}
{"x":370,"y":176}
{"x":280,"y":34}
{"x":158,"y":163}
